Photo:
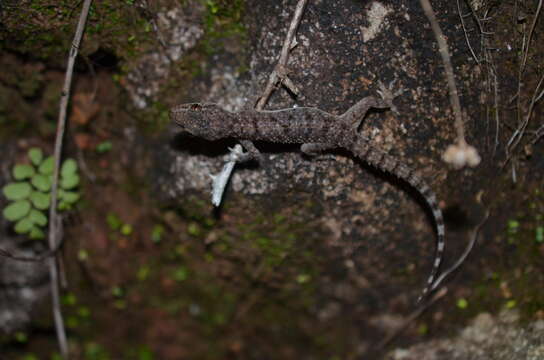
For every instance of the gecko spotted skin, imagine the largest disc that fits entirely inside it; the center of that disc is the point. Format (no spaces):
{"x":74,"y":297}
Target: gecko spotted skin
{"x":316,"y":130}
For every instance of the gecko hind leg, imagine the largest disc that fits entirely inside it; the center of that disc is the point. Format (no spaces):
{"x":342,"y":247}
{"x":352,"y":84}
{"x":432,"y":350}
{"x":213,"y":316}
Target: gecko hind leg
{"x":252,"y":152}
{"x":355,"y":114}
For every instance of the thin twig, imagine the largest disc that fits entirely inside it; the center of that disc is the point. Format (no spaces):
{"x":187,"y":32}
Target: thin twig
{"x":488,"y":60}
{"x":496,"y":105}
{"x":518,"y":134}
{"x":491,"y":71}
{"x":466,"y":34}
{"x":526,"y":53}
{"x":538,"y":134}
{"x":519,"y":115}
{"x":411,"y":318}
{"x":460,"y":154}
{"x":279,"y":72}
{"x":444,"y":53}
{"x":53,"y":222}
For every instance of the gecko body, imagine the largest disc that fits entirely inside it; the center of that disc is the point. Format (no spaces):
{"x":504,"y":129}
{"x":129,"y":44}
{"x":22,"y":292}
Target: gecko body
{"x":317,"y":131}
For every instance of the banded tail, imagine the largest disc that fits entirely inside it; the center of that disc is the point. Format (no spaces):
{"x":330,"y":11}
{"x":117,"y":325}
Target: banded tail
{"x":389,"y":164}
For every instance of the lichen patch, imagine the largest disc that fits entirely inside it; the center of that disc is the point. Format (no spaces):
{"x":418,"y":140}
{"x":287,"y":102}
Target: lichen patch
{"x":376,"y":16}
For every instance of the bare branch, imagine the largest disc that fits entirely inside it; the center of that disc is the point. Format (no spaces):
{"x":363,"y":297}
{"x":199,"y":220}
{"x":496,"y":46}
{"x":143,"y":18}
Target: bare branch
{"x":54,"y":224}
{"x":279,"y":73}
{"x":459,"y":154}
{"x":518,"y":134}
{"x":466,"y":34}
{"x":526,"y":53}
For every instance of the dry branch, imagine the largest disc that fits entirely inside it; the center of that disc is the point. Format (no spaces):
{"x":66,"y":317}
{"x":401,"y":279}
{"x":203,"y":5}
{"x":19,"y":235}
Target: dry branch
{"x":54,"y":221}
{"x":459,"y":154}
{"x":279,"y":74}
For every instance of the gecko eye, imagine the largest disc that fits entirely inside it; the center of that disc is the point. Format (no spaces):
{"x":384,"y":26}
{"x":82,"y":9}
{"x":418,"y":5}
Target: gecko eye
{"x":195,"y":107}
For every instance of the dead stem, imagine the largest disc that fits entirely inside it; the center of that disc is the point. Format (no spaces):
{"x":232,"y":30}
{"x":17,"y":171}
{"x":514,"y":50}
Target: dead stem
{"x":526,"y":53}
{"x":54,"y":224}
{"x":461,"y":18}
{"x":459,"y":154}
{"x":519,"y":133}
{"x":279,"y":74}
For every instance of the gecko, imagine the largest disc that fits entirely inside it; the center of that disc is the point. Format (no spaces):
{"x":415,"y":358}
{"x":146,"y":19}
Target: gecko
{"x":317,"y":131}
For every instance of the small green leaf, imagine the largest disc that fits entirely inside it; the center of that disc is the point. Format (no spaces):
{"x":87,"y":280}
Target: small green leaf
{"x":69,"y":299}
{"x":47,"y":165}
{"x":41,"y":182}
{"x":539,"y":234}
{"x":17,"y":210}
{"x":143,"y":272}
{"x":82,"y":255}
{"x":117,"y":291}
{"x":56,"y":356}
{"x":21,"y":337}
{"x":180,"y":274}
{"x":120,"y":304}
{"x":73,"y":322}
{"x":35,"y":155}
{"x":17,"y":191}
{"x":23,"y":171}
{"x":63,"y":206}
{"x":69,"y":167}
{"x":84,"y":312}
{"x":193,"y":229}
{"x":156,"y":233}
{"x":23,"y":226}
{"x":513,"y":226}
{"x":145,"y":354}
{"x":40,"y":200}
{"x":303,"y":278}
{"x":113,"y":221}
{"x":69,"y":182}
{"x":37,"y":217}
{"x":126,"y":229}
{"x":423,"y":329}
{"x":36,"y":233}
{"x":30,"y":357}
{"x":70,"y":197}
{"x":462,"y":303}
{"x":103,"y":147}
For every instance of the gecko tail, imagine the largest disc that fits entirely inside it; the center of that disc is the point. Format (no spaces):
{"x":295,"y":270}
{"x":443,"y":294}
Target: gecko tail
{"x":389,"y":164}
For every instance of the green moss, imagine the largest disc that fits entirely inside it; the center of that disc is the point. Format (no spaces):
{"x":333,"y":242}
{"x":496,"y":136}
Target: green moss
{"x":44,"y":30}
{"x":223,"y":20}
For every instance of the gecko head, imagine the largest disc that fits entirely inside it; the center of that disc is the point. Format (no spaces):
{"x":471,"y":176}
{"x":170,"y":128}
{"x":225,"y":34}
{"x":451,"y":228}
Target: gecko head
{"x":207,"y":121}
